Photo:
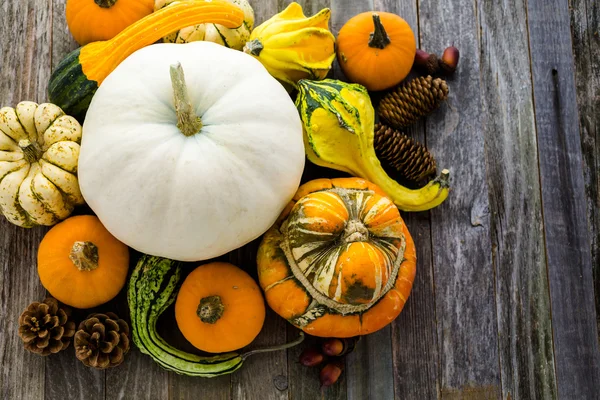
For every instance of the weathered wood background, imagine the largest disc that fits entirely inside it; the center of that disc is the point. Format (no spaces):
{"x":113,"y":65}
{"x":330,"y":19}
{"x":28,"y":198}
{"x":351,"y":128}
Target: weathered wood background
{"x":507,"y":292}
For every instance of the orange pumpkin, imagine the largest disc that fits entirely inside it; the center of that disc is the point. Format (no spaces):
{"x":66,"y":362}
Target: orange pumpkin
{"x":81,"y":264}
{"x":376,"y":49}
{"x":94,"y":20}
{"x":340,"y":261}
{"x":219,"y":308}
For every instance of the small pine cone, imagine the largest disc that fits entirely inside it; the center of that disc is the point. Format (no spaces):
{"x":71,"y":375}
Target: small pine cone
{"x":102,"y":340}
{"x":412,"y":100}
{"x":411,"y":159}
{"x":45,"y":327}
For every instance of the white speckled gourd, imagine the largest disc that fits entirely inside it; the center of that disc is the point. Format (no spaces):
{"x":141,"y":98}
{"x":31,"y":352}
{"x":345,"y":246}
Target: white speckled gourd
{"x":234,"y":38}
{"x":189,"y":162}
{"x":39,"y":149}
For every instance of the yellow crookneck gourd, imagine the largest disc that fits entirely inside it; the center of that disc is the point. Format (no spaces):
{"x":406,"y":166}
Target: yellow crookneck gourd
{"x":338,"y":123}
{"x":293,"y":47}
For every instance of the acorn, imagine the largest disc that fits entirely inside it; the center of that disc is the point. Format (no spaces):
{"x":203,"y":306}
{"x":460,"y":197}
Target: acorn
{"x":428,"y":62}
{"x":311,"y":357}
{"x":331,"y":373}
{"x":339,"y":347}
{"x":449,"y":60}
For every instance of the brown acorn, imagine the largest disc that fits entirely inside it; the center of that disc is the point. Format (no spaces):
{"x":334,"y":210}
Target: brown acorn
{"x":449,"y":60}
{"x":428,"y":62}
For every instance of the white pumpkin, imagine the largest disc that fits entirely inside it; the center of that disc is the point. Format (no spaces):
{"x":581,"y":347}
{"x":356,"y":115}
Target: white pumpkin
{"x":39,"y":148}
{"x":191,"y":197}
{"x":234,"y":38}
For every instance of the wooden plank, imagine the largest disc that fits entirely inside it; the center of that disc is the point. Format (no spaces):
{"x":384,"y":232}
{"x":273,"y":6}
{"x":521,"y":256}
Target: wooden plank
{"x":262,"y":374}
{"x":522,"y":293}
{"x":585,"y":24}
{"x":563,"y":198}
{"x":62,"y":40}
{"x":463,"y":270}
{"x":69,"y":378}
{"x":24,"y":70}
{"x":414,"y":334}
{"x":369,"y":369}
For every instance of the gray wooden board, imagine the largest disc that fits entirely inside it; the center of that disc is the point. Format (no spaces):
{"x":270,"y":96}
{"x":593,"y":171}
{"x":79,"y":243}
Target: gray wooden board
{"x":522,"y":293}
{"x":585,"y":24}
{"x":24,"y":69}
{"x":565,"y":223}
{"x":481,"y":269}
{"x":462,"y":259}
{"x":414,"y":334}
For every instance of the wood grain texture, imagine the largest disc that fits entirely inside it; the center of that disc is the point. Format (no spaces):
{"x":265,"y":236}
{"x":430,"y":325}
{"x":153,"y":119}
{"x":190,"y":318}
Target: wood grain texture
{"x":585,"y":24}
{"x":62,"y":40}
{"x":563,"y":198}
{"x":414,"y":334}
{"x":24,"y":69}
{"x":68,"y":378}
{"x":463,"y":270}
{"x":522,"y":293}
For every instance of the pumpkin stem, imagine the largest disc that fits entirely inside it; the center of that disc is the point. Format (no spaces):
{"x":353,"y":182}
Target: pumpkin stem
{"x":253,"y":47}
{"x":379,"y":38}
{"x":31,"y":151}
{"x":84,"y":255}
{"x":355,"y":231}
{"x":210,"y":309}
{"x":275,"y":348}
{"x":105,"y":3}
{"x":187,"y":121}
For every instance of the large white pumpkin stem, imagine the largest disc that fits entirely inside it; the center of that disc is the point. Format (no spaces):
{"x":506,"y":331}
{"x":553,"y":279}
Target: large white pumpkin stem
{"x":187,"y":121}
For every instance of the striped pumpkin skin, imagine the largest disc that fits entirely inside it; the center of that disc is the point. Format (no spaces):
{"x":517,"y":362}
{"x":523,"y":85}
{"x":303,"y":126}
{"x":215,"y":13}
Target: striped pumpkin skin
{"x":339,"y":261}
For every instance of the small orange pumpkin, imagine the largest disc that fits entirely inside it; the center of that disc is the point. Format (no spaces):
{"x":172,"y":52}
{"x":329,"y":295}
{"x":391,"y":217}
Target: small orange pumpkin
{"x":81,"y":264}
{"x":94,"y":20}
{"x":219,"y":308}
{"x":340,"y":261}
{"x":376,"y":49}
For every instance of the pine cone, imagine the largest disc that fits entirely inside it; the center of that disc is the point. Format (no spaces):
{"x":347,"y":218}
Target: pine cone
{"x":411,"y":159}
{"x":45,"y":327}
{"x":102,"y":340}
{"x":412,"y":100}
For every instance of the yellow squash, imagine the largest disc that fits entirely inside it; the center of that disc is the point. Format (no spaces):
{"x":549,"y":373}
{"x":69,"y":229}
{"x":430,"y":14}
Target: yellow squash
{"x":338,"y":123}
{"x":292,"y":46}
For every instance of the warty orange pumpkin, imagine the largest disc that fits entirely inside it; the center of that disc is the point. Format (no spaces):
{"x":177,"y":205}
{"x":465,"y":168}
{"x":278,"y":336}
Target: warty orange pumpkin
{"x":94,"y":20}
{"x":219,"y":308}
{"x":81,"y":264}
{"x":376,"y":49}
{"x":340,"y":261}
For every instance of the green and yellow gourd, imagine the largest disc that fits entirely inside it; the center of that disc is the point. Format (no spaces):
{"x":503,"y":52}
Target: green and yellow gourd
{"x":292,"y":46}
{"x":152,"y":289}
{"x":77,"y":77}
{"x":338,"y":121}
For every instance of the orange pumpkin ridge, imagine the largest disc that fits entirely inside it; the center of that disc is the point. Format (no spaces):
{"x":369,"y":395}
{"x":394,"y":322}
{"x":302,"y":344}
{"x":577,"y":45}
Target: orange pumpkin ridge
{"x":340,"y":262}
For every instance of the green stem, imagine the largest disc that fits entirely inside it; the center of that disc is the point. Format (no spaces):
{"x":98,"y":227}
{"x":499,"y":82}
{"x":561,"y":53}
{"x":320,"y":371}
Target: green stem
{"x":31,"y":150}
{"x":84,"y":255}
{"x":210,"y":309}
{"x":253,"y":47}
{"x":379,"y":38}
{"x":187,"y":121}
{"x":105,"y":3}
{"x":275,"y":348}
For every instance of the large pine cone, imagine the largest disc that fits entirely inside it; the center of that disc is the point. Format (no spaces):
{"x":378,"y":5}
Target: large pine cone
{"x":102,"y":340}
{"x":45,"y":327}
{"x":409,"y":158}
{"x":412,"y":100}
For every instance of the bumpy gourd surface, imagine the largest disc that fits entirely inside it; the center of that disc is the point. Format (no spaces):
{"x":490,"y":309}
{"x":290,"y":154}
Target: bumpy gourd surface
{"x":197,"y":197}
{"x":39,"y":148}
